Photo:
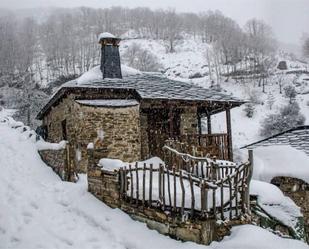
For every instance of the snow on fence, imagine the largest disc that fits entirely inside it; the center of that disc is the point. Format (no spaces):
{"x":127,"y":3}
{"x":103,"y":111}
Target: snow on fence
{"x":204,"y":144}
{"x":211,"y":169}
{"x":181,"y":192}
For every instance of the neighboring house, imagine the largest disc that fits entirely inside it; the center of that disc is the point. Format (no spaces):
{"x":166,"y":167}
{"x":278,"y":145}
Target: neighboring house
{"x":134,"y":112}
{"x":283,"y":160}
{"x":296,"y":137}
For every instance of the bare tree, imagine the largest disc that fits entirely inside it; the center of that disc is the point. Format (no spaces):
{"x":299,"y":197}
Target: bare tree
{"x":172,"y":28}
{"x":261,"y":45}
{"x":141,"y":59}
{"x":305,"y":47}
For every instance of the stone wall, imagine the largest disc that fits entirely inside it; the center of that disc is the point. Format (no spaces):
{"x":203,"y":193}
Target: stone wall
{"x":188,"y":121}
{"x":121,"y":131}
{"x":63,"y":111}
{"x":298,"y":191}
{"x":121,"y":127}
{"x":57,"y":160}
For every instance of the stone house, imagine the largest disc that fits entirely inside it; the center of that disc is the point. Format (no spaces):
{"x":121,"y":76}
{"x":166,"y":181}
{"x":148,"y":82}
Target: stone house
{"x":134,"y":112}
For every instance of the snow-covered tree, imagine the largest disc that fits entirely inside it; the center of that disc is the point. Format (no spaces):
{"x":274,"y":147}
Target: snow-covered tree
{"x":270,"y":100}
{"x":290,"y":93}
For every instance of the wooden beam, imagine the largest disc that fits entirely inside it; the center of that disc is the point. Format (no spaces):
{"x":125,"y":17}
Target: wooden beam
{"x":229,"y":133}
{"x":171,"y":122}
{"x":208,"y":123}
{"x":199,"y":124}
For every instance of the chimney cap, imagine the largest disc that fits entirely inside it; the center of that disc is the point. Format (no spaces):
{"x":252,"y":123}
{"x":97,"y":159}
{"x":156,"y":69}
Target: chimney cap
{"x":106,"y":37}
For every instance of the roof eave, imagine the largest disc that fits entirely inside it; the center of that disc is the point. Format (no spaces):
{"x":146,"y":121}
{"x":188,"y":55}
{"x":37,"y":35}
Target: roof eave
{"x":303,"y":127}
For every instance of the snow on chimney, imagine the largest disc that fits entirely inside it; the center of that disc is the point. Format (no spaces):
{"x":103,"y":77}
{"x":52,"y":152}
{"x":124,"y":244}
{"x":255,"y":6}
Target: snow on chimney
{"x":110,"y":58}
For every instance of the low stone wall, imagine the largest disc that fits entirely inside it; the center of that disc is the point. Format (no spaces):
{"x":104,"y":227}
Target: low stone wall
{"x":105,"y":185}
{"x":298,"y":191}
{"x":57,"y":160}
{"x":263,"y":219}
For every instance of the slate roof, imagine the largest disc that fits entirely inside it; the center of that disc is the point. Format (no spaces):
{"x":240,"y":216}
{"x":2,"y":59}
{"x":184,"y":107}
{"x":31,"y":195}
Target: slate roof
{"x":149,"y":86}
{"x":297,"y":137}
{"x":153,"y":86}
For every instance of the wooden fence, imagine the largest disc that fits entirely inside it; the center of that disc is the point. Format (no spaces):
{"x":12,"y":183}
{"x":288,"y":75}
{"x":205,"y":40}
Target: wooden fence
{"x":208,"y":168}
{"x":182,"y":193}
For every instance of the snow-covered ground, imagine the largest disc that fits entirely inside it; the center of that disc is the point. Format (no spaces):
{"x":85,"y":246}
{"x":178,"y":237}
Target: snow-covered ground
{"x":38,"y":210}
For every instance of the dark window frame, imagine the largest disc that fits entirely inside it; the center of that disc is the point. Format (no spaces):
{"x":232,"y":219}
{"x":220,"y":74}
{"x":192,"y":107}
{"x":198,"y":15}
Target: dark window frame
{"x":64,"y":129}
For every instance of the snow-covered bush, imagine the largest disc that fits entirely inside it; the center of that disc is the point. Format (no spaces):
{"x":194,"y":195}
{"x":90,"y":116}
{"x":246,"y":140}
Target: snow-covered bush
{"x":288,"y":117}
{"x":141,"y":59}
{"x":249,"y":110}
{"x":255,"y":97}
{"x":290,"y":93}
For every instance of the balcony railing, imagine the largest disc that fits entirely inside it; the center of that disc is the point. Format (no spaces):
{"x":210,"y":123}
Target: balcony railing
{"x":210,"y":145}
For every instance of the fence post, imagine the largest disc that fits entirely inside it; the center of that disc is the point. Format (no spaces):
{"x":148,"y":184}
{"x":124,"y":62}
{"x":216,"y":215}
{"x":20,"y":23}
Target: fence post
{"x":250,"y":154}
{"x":67,"y":163}
{"x":70,"y":164}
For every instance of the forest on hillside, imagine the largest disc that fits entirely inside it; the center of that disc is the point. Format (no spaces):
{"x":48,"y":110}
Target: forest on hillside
{"x":65,"y":42}
{"x":38,"y":52}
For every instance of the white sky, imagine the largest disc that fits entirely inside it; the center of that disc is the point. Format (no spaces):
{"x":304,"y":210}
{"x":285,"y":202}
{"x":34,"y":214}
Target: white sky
{"x":289,"y":18}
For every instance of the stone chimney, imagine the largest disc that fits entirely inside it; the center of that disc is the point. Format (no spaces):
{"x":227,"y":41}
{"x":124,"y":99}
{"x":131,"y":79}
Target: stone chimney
{"x":110,"y":58}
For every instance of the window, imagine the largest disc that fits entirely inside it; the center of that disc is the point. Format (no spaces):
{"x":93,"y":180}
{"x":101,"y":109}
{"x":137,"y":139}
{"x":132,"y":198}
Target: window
{"x":42,"y":131}
{"x":64,"y":129}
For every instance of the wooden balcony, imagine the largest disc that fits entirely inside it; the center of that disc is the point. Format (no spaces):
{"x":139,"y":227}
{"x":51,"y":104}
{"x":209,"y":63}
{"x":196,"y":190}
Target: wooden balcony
{"x":210,"y":145}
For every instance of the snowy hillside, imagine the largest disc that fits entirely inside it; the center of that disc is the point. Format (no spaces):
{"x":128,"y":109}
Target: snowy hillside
{"x":189,"y":64}
{"x":38,"y":210}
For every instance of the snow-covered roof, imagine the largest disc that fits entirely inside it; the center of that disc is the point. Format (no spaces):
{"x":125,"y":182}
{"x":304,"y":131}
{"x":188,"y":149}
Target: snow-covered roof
{"x":275,"y":203}
{"x":297,"y":137}
{"x":284,"y":154}
{"x":95,"y":74}
{"x":152,"y":86}
{"x":280,"y":160}
{"x":108,"y":102}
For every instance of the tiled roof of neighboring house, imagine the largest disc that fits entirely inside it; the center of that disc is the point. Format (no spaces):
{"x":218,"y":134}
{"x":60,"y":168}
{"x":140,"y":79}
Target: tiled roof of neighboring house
{"x":148,"y":86}
{"x":297,"y":137}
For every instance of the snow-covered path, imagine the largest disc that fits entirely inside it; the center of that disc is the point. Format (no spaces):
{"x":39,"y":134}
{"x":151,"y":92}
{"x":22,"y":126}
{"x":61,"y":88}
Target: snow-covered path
{"x":37,"y":210}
